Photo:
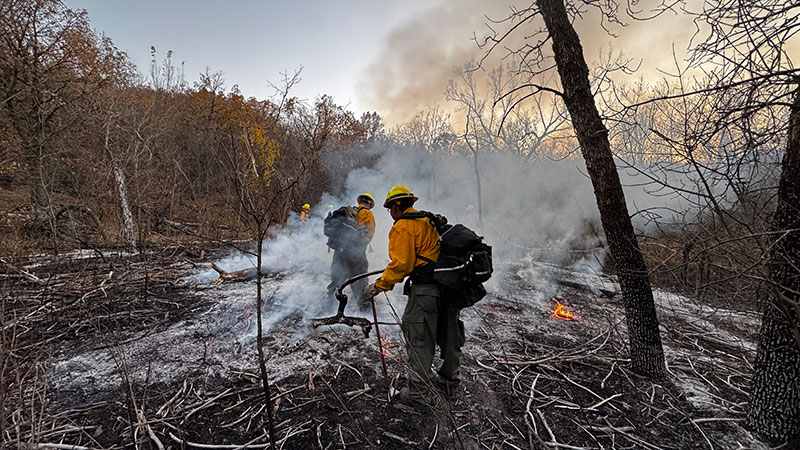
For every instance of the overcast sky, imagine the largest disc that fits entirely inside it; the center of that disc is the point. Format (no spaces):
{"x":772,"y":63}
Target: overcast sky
{"x":393,"y":57}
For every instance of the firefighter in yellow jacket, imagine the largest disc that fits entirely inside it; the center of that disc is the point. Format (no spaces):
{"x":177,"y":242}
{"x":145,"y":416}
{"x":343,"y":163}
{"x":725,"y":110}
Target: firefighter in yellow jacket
{"x":426,"y":322}
{"x":305,"y":212}
{"x":352,"y":260}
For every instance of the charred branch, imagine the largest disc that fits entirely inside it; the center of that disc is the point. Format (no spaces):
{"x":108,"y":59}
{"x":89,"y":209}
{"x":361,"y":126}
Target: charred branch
{"x":239,"y":275}
{"x":586,"y":287}
{"x":361,"y":322}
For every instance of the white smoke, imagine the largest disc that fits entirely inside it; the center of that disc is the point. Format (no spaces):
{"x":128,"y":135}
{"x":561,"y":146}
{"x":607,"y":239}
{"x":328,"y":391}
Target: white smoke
{"x":534,"y":212}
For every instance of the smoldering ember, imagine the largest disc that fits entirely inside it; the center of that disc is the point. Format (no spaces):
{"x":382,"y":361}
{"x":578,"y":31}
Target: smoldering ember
{"x":558,"y":225}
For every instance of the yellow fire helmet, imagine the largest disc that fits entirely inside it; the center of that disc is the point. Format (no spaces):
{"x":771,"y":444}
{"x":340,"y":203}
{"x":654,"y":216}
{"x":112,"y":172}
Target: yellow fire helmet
{"x":396,"y":193}
{"x":306,"y":207}
{"x":366,"y":199}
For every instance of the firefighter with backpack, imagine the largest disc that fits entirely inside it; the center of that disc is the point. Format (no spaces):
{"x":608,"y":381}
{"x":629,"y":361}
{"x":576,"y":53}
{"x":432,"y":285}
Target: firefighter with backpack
{"x":349,"y":230}
{"x":426,"y":321}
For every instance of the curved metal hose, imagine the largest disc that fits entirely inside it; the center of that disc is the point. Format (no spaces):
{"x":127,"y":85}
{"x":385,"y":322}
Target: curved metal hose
{"x":343,"y":297}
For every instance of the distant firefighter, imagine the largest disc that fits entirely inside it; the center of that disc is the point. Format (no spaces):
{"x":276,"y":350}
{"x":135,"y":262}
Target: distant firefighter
{"x":349,"y":230}
{"x":304,"y":213}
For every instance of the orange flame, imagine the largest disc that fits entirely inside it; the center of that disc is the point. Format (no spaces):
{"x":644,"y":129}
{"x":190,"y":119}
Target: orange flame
{"x":387,"y":343}
{"x":561,"y":312}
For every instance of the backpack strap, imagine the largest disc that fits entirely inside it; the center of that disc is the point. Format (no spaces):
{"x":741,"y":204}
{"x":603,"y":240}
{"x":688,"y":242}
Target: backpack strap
{"x":414,"y":215}
{"x":432,"y":218}
{"x":427,"y":260}
{"x":421,"y":274}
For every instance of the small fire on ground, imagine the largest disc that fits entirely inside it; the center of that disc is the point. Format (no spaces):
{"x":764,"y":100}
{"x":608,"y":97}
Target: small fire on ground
{"x":387,"y":343}
{"x":561,"y":312}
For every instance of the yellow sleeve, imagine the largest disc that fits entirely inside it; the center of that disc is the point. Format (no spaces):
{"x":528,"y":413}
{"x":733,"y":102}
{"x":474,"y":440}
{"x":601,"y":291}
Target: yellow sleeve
{"x":366,"y":221}
{"x":403,"y":258}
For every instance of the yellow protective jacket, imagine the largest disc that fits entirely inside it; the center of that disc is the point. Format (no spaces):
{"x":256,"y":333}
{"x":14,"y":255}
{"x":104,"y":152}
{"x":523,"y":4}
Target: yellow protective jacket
{"x":366,"y":221}
{"x":408,"y":239}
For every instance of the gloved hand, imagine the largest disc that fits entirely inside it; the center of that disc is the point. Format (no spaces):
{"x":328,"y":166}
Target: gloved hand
{"x":371,"y":291}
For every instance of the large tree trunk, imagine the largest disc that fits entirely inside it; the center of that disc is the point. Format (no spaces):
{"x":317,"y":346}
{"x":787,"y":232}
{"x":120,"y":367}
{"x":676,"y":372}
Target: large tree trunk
{"x":647,"y":354}
{"x":774,"y":409}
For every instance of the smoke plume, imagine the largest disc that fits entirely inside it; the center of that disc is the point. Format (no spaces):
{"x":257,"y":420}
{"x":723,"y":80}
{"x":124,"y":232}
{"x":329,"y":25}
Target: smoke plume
{"x":420,"y":56}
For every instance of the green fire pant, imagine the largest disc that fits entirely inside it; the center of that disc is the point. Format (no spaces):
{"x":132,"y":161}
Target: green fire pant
{"x":346,"y":264}
{"x":426,"y":323}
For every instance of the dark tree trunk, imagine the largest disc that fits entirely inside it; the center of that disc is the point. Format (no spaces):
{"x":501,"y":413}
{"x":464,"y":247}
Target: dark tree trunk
{"x":647,"y":354}
{"x":260,"y":336}
{"x":774,"y":409}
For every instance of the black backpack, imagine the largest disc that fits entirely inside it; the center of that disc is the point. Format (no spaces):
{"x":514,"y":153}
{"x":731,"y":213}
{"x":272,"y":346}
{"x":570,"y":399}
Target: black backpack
{"x":341,"y":228}
{"x":464,"y":264}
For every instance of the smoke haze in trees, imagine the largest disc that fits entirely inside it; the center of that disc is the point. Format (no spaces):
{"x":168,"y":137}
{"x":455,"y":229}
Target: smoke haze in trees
{"x":539,"y":211}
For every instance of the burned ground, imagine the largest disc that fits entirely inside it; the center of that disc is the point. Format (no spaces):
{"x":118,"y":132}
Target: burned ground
{"x":121,"y":351}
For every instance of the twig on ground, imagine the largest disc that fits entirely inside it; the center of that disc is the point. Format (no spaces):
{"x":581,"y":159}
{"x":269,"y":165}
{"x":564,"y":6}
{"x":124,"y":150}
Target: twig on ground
{"x":221,"y":446}
{"x":598,"y":404}
{"x":435,"y":434}
{"x":547,"y":427}
{"x":399,"y":438}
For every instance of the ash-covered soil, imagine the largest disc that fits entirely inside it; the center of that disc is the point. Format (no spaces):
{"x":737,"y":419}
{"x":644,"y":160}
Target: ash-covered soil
{"x":155,"y":355}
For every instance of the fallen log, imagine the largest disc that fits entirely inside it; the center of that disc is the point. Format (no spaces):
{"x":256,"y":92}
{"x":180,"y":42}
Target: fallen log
{"x":22,"y":273}
{"x":239,"y":275}
{"x":585,"y":287}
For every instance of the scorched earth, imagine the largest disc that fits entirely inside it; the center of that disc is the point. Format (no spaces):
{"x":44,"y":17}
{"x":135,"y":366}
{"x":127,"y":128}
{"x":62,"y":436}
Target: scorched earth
{"x":147,"y":351}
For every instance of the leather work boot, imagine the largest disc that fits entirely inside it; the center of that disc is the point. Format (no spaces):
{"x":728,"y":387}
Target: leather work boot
{"x":448,"y":388}
{"x":404,"y":400}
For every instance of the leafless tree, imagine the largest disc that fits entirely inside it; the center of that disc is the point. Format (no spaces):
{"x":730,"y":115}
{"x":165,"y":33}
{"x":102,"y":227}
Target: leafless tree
{"x":716,"y":177}
{"x":723,"y":134}
{"x":165,"y":76}
{"x":747,"y":46}
{"x":374,"y":126}
{"x":647,"y":355}
{"x":503,"y":116}
{"x":273,"y":148}
{"x":495,"y":121}
{"x":430,"y":130}
{"x":128,"y":225}
{"x":50,"y":60}
{"x":774,"y":408}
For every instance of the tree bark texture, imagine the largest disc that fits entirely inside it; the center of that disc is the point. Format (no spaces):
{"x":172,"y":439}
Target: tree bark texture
{"x":774,"y":409}
{"x":646,"y":351}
